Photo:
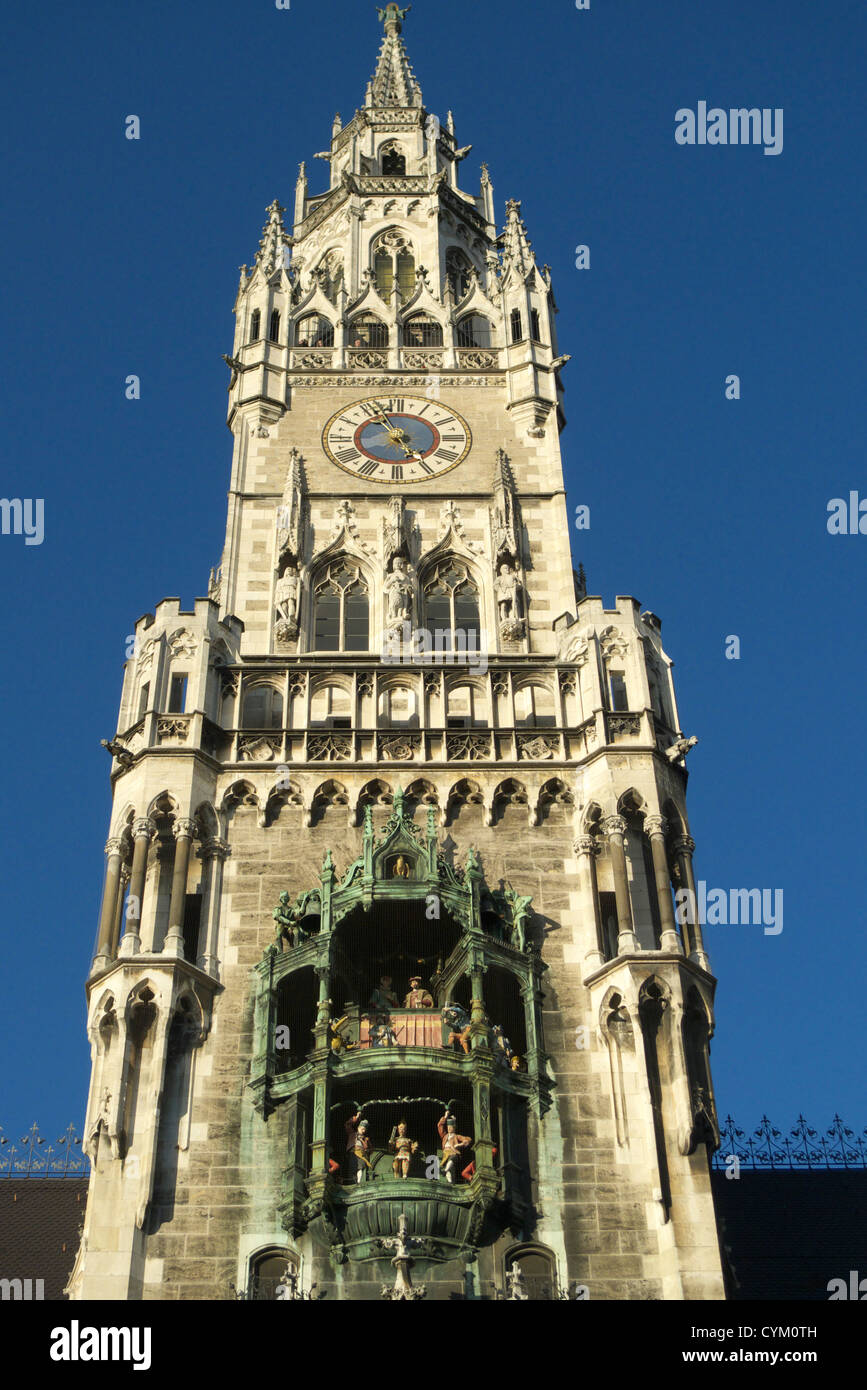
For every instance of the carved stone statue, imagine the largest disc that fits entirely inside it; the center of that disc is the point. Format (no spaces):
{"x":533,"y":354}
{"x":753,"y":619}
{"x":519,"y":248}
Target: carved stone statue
{"x":678,"y":751}
{"x":286,"y":599}
{"x":287,"y":1285}
{"x":398,"y":591}
{"x":506,"y":590}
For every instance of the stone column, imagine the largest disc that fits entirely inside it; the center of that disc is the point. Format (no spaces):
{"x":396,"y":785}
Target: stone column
{"x":114,"y":852}
{"x":184,"y":830}
{"x":213,"y":854}
{"x":615,"y":829}
{"x":321,"y":1084}
{"x":479,"y":1032}
{"x":589,"y":845}
{"x":684,"y":849}
{"x":123,"y":884}
{"x":142,"y":830}
{"x":656,"y":827}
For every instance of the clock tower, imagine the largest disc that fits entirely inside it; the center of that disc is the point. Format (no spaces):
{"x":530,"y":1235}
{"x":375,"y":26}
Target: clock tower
{"x":389,"y":975}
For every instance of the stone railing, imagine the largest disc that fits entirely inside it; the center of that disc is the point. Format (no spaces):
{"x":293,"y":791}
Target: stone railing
{"x":312,"y":359}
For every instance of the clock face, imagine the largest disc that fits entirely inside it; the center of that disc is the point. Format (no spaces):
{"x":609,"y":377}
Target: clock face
{"x":396,"y":439}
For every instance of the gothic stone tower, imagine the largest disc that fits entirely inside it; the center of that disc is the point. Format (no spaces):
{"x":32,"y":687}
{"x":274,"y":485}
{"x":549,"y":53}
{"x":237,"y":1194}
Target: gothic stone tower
{"x":397,"y":708}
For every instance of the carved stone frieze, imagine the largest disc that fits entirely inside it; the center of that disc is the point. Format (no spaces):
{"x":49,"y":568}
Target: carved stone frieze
{"x":468,"y":747}
{"x":360,"y":357}
{"x":424,"y":360}
{"x":449,"y":378}
{"x":174,"y":728}
{"x":399,"y":748}
{"x":183,"y":643}
{"x":477,"y":359}
{"x":624,"y":725}
{"x":323,"y":748}
{"x":259,"y":748}
{"x":538,"y":747}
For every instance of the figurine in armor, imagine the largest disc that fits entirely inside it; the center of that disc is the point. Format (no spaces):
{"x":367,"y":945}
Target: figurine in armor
{"x":403,"y":1149}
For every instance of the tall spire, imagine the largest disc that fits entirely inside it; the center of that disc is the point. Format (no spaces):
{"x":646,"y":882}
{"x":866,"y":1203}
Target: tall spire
{"x":270,"y":254}
{"x":393,"y":83}
{"x":517,"y":254}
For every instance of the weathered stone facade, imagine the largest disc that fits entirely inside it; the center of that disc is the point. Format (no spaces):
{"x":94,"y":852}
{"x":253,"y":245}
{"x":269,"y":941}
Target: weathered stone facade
{"x":501,"y":810}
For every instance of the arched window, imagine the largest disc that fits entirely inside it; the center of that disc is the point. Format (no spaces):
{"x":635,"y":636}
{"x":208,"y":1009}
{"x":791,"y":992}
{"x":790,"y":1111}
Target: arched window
{"x":458,"y":270}
{"x":422,"y":331}
{"x":398,"y":708}
{"x":466,"y":708}
{"x":330,"y":708}
{"x":368,"y":331}
{"x":393,"y":261}
{"x":617,"y":693}
{"x":534,"y":707}
{"x":405,"y":276}
{"x":393,"y":161}
{"x":538,"y":1272}
{"x":255,"y":325}
{"x":474,"y":331}
{"x":534,"y":326}
{"x":341,"y":618}
{"x":515,"y":323}
{"x":383,"y":270}
{"x":274,"y":326}
{"x":314,"y":331}
{"x":266,"y":1272}
{"x":452,"y":609}
{"x":262,"y":708}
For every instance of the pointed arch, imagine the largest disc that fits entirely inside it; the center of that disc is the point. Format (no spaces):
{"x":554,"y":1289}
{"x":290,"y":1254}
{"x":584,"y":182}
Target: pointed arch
{"x":339,"y":586}
{"x":510,"y":792}
{"x":328,"y":794}
{"x":466,"y":792}
{"x":452,"y":599}
{"x":554,"y":798}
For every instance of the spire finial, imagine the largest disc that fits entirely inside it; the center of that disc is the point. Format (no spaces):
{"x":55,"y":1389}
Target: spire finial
{"x":392,"y":17}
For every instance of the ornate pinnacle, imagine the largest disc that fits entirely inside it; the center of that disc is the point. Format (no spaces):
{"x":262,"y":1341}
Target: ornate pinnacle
{"x":394,"y":83}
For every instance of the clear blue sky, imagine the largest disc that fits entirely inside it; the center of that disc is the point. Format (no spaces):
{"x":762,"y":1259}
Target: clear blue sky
{"x":121,"y":257}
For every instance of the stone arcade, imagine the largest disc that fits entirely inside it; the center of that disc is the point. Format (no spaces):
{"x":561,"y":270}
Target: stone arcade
{"x":389,"y":999}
